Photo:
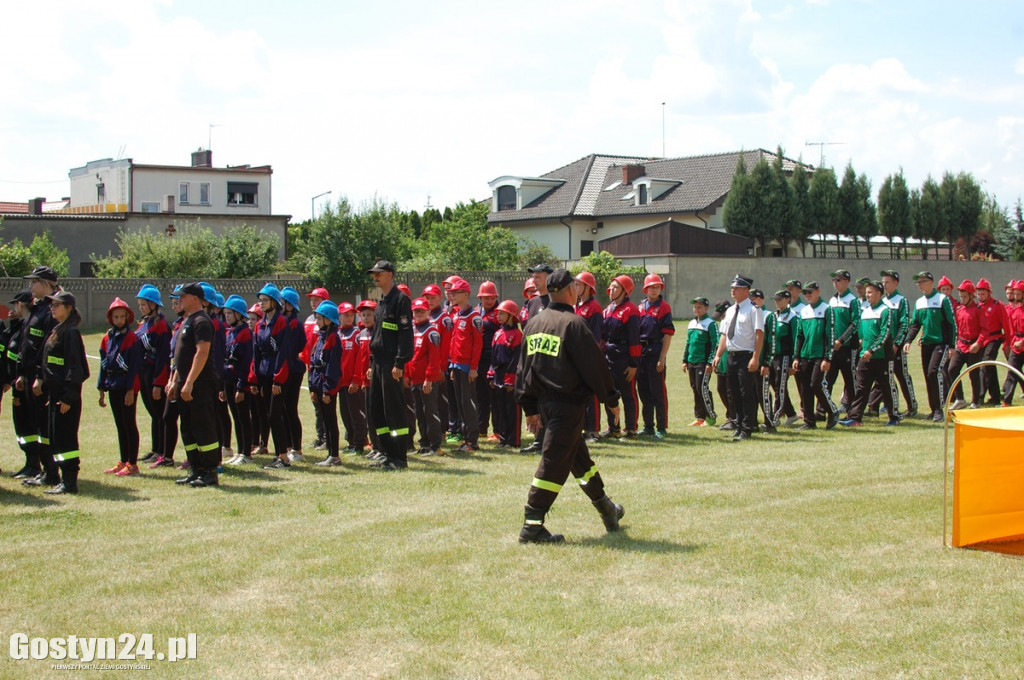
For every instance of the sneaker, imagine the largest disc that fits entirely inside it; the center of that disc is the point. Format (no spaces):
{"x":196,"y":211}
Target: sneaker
{"x":1006,"y":404}
{"x":278,"y":464}
{"x":245,"y":460}
{"x":727,"y":426}
{"x":790,"y":421}
{"x":937,"y":417}
{"x":227,"y":452}
{"x":453,"y":438}
{"x":468,"y":447}
{"x":390,"y":466}
{"x":609,"y":433}
{"x":833,"y":418}
{"x":424,"y":451}
{"x":630,"y":434}
{"x":329,"y":461}
{"x":882,"y":409}
{"x":992,"y":401}
{"x":977,"y":406}
{"x":161,"y":462}
{"x":185,"y":466}
{"x":807,"y":426}
{"x":296,"y":457}
{"x":591,"y":438}
{"x":493,"y":438}
{"x":259,"y":451}
{"x":128,"y":470}
{"x":850,"y":422}
{"x":711,"y":421}
{"x":660,"y":434}
{"x":697,"y":423}
{"x":959,"y":404}
{"x":117,"y":468}
{"x":233,"y":460}
{"x":26,"y":472}
{"x":893,"y":422}
{"x":646,"y":432}
{"x":149,"y":457}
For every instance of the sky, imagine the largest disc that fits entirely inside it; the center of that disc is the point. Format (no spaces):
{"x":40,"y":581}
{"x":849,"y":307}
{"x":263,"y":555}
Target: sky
{"x":424,"y":103}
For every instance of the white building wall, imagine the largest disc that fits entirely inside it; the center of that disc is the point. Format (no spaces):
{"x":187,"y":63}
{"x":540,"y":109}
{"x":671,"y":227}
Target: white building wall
{"x":151,"y":185}
{"x":113,"y":175}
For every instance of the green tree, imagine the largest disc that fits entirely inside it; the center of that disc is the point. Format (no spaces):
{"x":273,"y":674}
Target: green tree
{"x":868,"y":227}
{"x":740,"y":211}
{"x":15,"y":259}
{"x":851,"y":209}
{"x":824,"y":203}
{"x":894,"y":209}
{"x":44,"y":251}
{"x":1008,"y":233}
{"x":969,"y":206}
{"x":929,"y":223}
{"x":247,"y":253}
{"x":605,"y":267}
{"x":800,"y":229}
{"x":781,"y":201}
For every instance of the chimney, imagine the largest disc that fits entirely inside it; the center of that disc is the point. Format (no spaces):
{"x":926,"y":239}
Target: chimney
{"x":35,"y":206}
{"x":631,"y":172}
{"x":203,"y":158}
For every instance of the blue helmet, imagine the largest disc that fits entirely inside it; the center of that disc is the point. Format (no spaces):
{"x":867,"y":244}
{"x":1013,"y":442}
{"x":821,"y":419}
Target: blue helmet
{"x":209,"y":292}
{"x":151,"y":293}
{"x":176,"y":293}
{"x":236,"y":303}
{"x":291,"y":296}
{"x":328,"y":309}
{"x":271,"y":291}
{"x":218,"y":301}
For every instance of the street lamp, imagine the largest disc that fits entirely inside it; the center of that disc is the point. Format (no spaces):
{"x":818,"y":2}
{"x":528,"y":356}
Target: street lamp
{"x":312,"y":205}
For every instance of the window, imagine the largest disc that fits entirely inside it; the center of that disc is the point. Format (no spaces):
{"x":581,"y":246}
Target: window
{"x":204,"y":193}
{"x":242,"y":193}
{"x":641,"y":194}
{"x":183,"y":193}
{"x":506,"y":198}
{"x":586,"y":248}
{"x":150,"y":207}
{"x":101,"y":194}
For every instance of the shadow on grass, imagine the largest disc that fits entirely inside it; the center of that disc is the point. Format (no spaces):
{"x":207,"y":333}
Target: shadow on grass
{"x":248,"y":489}
{"x":109,"y":492}
{"x":19,"y":497}
{"x":621,"y":540}
{"x":440,"y":466}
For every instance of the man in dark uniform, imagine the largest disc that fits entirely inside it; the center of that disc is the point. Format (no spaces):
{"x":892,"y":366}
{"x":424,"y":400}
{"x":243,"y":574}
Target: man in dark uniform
{"x":42,"y":281}
{"x":560,"y":366}
{"x":193,"y":384}
{"x":534,"y":306}
{"x":391,"y":346}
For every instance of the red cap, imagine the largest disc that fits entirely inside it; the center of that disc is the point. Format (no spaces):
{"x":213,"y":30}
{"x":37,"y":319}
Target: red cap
{"x":966,"y":285}
{"x":345,"y":308}
{"x":983,"y":284}
{"x":1010,"y":285}
{"x":405,"y":289}
{"x":944,"y":281}
{"x":432,"y":289}
{"x":487,"y":288}
{"x":451,"y":280}
{"x":256,"y":309}
{"x":626,"y":283}
{"x":320,"y":293}
{"x":1018,"y":285}
{"x":587,"y":279}
{"x":118,"y":303}
{"x":367,"y":304}
{"x":652,"y":280}
{"x":420,"y":303}
{"x":460,"y":284}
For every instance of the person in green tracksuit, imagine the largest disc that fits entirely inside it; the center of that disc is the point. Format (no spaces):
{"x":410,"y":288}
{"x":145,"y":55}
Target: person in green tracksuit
{"x":934,"y":319}
{"x":722,"y":383}
{"x":701,"y":341}
{"x":895,"y":301}
{"x":845,"y":309}
{"x":767,"y":352}
{"x":811,"y":361}
{"x":782,"y":356}
{"x":874,"y":328}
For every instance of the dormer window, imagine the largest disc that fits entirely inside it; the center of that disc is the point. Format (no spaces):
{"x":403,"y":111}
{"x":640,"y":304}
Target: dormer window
{"x":641,"y":194}
{"x":506,"y":198}
{"x":646,"y":190}
{"x":516,"y":193}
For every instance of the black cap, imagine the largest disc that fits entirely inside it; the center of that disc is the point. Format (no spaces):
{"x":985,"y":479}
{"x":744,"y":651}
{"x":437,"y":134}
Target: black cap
{"x":740,"y":281}
{"x":701,"y":301}
{"x":757,"y":293}
{"x":539,"y":268}
{"x":559,"y":279}
{"x":22,"y":296}
{"x":840,"y":274}
{"x":783,"y":295}
{"x":63,"y":297}
{"x":810,"y":285}
{"x":42,"y":272}
{"x":890,"y":272}
{"x":193,"y":289}
{"x":722,"y":305}
{"x":877,"y":285}
{"x":863,"y":281}
{"x":923,"y":275}
{"x":381,"y":266}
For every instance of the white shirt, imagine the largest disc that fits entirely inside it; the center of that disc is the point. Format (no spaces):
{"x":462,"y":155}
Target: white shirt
{"x":748,"y":319}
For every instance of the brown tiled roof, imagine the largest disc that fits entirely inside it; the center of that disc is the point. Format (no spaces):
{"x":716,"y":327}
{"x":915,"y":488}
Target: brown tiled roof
{"x":704,"y":181}
{"x":13,"y":208}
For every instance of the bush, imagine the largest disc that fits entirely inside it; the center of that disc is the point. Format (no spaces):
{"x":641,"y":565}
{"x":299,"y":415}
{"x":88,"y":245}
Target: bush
{"x":605,"y":267}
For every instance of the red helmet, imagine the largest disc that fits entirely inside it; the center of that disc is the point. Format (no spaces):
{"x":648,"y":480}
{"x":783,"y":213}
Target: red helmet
{"x":509,"y":307}
{"x":966,"y":285}
{"x":118,"y":303}
{"x":451,"y":281}
{"x":983,"y":284}
{"x":405,"y":289}
{"x":256,"y":309}
{"x":529,"y":287}
{"x":487,"y":288}
{"x":944,"y":281}
{"x":367,"y":304}
{"x":652,"y":280}
{"x":460,"y":284}
{"x":320,"y":293}
{"x":1018,"y":285}
{"x":587,"y":279}
{"x":626,"y":283}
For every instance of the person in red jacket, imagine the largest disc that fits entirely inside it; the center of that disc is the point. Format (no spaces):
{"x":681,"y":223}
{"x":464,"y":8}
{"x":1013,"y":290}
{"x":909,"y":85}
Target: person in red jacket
{"x":1014,"y":350}
{"x":120,"y":361}
{"x":501,"y":375}
{"x":443,"y":323}
{"x":467,"y":343}
{"x":993,"y":324}
{"x":315,"y":297}
{"x":351,"y":401}
{"x":656,"y":331}
{"x":968,"y":346}
{"x":622,"y":351}
{"x":589,"y":308}
{"x":367,"y":309}
{"x":488,"y":310}
{"x":422,"y":376}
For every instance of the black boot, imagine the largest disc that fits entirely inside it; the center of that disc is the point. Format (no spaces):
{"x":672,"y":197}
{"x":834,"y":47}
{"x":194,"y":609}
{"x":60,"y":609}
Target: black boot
{"x":207,"y":477}
{"x":611,"y":513}
{"x":69,"y":474}
{"x":533,"y":530}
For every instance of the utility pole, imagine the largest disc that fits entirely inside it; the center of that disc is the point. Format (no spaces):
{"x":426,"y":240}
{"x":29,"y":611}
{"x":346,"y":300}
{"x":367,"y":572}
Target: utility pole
{"x":821,"y":147}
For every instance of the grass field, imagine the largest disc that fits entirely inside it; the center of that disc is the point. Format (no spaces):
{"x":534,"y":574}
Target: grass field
{"x":801,"y":555}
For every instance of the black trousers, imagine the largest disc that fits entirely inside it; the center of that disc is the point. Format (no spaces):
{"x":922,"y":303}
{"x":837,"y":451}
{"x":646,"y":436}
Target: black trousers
{"x":25,"y":429}
{"x":484,"y":408}
{"x":328,"y":415}
{"x":722,"y":387}
{"x":902,"y":376}
{"x":291,"y":391}
{"x":592,"y":419}
{"x":465,"y":398}
{"x":508,"y":417}
{"x":873,"y":374}
{"x":563,"y":451}
{"x":1017,"y":361}
{"x":811,"y":380}
{"x":451,"y":403}
{"x":274,"y":415}
{"x":241,"y":414}
{"x":427,"y":416}
{"x":155,"y":408}
{"x":199,"y":427}
{"x":842,"y":362}
{"x":989,"y":376}
{"x":352,"y":406}
{"x":260,"y":421}
{"x":779,"y":379}
{"x":703,"y":403}
{"x":650,"y":386}
{"x":935,"y":359}
{"x":171,"y":415}
{"x":125,"y":424}
{"x":387,"y":413}
{"x":742,"y":390}
{"x":627,"y":390}
{"x":64,"y":426}
{"x":956,"y":364}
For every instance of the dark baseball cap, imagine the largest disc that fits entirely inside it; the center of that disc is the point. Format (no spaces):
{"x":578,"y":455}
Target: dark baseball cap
{"x":42,"y":272}
{"x":22,"y":296}
{"x":840,"y":274}
{"x":63,"y":297}
{"x":794,"y":283}
{"x":722,"y":305}
{"x":757,"y":293}
{"x":863,"y":281}
{"x":559,"y":279}
{"x":923,"y":275}
{"x":542,"y":268}
{"x":783,"y":295}
{"x":700,"y":301}
{"x":381,"y":266}
{"x":890,"y":272}
{"x":809,"y":286}
{"x":193,"y":289}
